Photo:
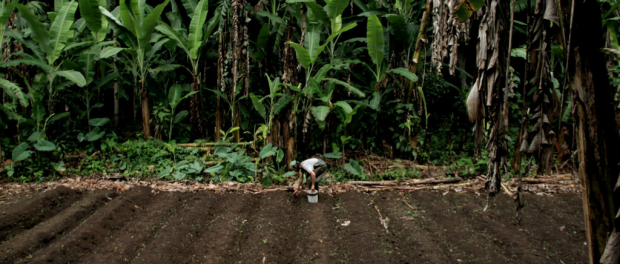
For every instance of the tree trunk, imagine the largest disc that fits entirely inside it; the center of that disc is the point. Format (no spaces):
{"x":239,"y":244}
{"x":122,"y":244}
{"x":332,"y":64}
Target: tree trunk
{"x":116,"y":105}
{"x":146,"y":129}
{"x":195,"y":109}
{"x":597,"y":139}
{"x":220,"y":83}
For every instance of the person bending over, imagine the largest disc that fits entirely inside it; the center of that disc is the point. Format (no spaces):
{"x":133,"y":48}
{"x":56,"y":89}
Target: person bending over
{"x":313,"y":167}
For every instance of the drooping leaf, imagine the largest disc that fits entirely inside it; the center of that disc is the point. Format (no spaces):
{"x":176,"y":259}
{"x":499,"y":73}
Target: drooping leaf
{"x":89,"y":9}
{"x":260,"y":107}
{"x":57,"y":117}
{"x":354,"y":168}
{"x":109,"y":52}
{"x":320,"y":112}
{"x":405,"y":73}
{"x":302,"y":54}
{"x":348,"y":86}
{"x":374,"y":39}
{"x":268,"y":151}
{"x":94,"y":135}
{"x":376,"y":100}
{"x":5,"y":13}
{"x":60,"y":31}
{"x":155,"y":49}
{"x":38,"y":111}
{"x":335,"y":35}
{"x":180,"y":116}
{"x":322,"y":72}
{"x":174,"y":35}
{"x":130,"y":20}
{"x":97,"y":122}
{"x":87,"y":63}
{"x":190,"y":6}
{"x":318,"y":13}
{"x":165,"y":68}
{"x":73,"y":76}
{"x":313,"y":37}
{"x":280,"y":156}
{"x":44,"y":66}
{"x":149,"y":23}
{"x":174,"y":95}
{"x":21,"y":152}
{"x":336,"y":7}
{"x":214,"y":169}
{"x":44,"y":145}
{"x":336,"y":23}
{"x":123,"y":33}
{"x":35,"y":136}
{"x":281,"y":103}
{"x":37,"y":29}
{"x":195,"y":28}
{"x":466,"y":8}
{"x":14,"y":91}
{"x":345,"y":106}
{"x":271,"y":16}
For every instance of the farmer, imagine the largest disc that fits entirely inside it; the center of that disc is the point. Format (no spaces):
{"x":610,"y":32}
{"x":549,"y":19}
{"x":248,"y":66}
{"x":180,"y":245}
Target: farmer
{"x":313,"y":167}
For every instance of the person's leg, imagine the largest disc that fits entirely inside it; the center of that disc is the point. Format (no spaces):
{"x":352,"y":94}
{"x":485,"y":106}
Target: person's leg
{"x":319,"y":171}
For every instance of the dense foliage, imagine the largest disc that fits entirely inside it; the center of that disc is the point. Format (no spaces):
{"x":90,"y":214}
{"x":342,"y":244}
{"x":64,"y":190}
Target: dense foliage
{"x":90,"y":78}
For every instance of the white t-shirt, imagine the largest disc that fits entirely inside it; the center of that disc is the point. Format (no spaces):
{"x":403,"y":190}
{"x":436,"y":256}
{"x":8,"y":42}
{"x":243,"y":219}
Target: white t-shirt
{"x":308,"y":165}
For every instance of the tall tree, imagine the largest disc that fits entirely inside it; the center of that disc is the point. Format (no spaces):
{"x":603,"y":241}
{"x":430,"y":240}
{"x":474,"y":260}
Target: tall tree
{"x":135,"y":29}
{"x":597,"y":138}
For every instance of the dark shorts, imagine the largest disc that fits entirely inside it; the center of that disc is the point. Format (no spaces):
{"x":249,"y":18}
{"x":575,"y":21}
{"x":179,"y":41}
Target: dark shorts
{"x":319,"y":169}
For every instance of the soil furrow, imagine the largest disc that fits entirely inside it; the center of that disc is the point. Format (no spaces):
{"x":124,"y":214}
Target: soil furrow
{"x":361,"y":239}
{"x":498,"y":227}
{"x":265,"y":235}
{"x":236,"y":213}
{"x":183,"y":230}
{"x":26,"y":214}
{"x":462,"y":241}
{"x":96,"y":229}
{"x":545,"y":226}
{"x":42,"y":234}
{"x":138,"y":232}
{"x":319,"y":240}
{"x":410,"y":241}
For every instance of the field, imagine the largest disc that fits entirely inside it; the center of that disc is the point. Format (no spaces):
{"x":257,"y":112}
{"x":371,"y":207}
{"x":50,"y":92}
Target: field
{"x":142,"y":226}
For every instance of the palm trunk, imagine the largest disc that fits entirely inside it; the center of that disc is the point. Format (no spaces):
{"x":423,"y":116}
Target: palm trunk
{"x":135,"y":92}
{"x":146,"y":129}
{"x":597,"y":139}
{"x":116,"y":103}
{"x":236,"y":49}
{"x":220,"y":82}
{"x":195,"y":108}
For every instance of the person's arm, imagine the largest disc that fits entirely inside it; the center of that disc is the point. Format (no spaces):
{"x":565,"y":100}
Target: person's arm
{"x":300,"y":180}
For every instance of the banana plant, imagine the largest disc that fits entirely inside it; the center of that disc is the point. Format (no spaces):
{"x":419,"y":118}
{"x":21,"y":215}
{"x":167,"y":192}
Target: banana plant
{"x":135,"y":29}
{"x":51,"y":43}
{"x":174,"y":99}
{"x":191,"y":42}
{"x":330,"y":18}
{"x":375,"y":45}
{"x":275,"y":100}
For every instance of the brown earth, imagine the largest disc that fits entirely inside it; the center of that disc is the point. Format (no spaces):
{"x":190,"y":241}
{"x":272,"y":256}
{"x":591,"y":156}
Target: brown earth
{"x":142,"y":226}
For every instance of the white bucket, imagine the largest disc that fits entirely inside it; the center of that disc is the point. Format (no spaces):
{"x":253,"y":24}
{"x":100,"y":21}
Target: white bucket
{"x":313,"y":196}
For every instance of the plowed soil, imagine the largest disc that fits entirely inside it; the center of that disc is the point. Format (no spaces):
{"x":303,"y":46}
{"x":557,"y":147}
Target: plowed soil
{"x":139,"y":226}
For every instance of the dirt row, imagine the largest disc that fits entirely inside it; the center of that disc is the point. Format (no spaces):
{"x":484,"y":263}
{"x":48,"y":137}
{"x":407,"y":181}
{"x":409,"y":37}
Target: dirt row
{"x":141,"y":226}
